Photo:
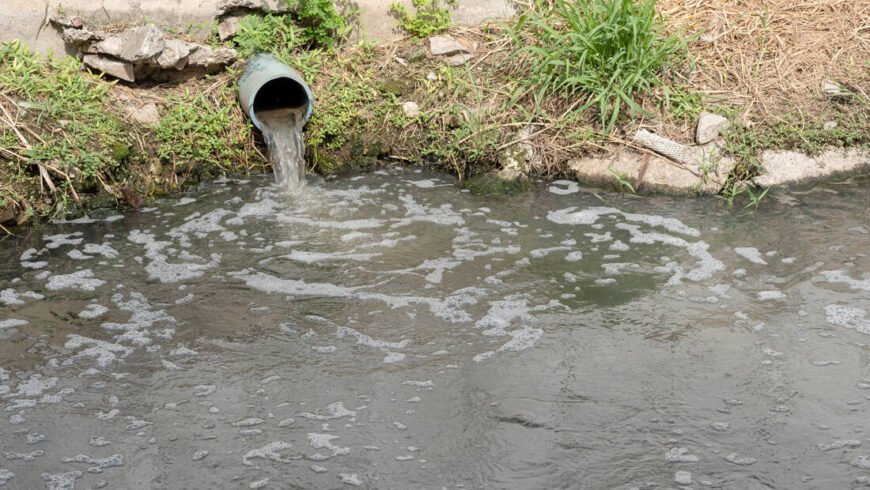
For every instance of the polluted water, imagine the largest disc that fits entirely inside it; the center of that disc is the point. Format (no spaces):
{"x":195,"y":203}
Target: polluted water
{"x":282,"y":130}
{"x":398,"y":332}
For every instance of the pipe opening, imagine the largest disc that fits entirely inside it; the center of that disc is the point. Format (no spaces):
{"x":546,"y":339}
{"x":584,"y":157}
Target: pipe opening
{"x":280,"y":93}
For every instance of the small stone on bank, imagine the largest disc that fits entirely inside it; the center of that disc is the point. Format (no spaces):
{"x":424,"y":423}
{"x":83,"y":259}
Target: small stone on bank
{"x":109,"y":66}
{"x":146,"y":115}
{"x":459,"y":59}
{"x":445,"y":46}
{"x":411,"y":109}
{"x":710,"y":126}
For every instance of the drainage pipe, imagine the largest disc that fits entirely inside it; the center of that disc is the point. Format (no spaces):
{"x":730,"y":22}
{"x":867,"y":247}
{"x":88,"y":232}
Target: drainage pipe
{"x":267,"y":84}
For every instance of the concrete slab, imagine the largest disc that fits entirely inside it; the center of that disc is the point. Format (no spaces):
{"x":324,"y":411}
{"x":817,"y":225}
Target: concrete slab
{"x":789,"y":167}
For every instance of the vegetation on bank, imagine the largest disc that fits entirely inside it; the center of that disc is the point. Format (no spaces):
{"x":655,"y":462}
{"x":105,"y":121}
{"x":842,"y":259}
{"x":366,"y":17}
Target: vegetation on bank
{"x":565,"y":79}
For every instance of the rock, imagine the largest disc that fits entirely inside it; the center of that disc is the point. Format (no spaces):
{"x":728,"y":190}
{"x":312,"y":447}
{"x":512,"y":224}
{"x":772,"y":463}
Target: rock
{"x":147,"y":115}
{"x":133,"y":45}
{"x":789,"y":167}
{"x":446,"y":46}
{"x":459,"y":59}
{"x":174,"y":54}
{"x":79,"y":36}
{"x":651,"y":172}
{"x":229,"y":27}
{"x":118,"y":69}
{"x":683,"y":477}
{"x":411,"y":109}
{"x":142,"y":43}
{"x":132,"y":198}
{"x":431,"y":76}
{"x":830,"y":125}
{"x":225,"y":6}
{"x":74,"y":22}
{"x":208,"y":58}
{"x":709,"y":127}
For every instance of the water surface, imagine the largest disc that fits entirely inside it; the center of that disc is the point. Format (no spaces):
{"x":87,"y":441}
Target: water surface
{"x":390,"y":331}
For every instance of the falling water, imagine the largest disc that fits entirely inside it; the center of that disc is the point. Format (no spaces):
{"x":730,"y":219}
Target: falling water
{"x":282,"y":129}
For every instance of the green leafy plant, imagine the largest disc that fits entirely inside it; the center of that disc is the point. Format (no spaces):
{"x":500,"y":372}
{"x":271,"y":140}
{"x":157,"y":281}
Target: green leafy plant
{"x":612,"y":52}
{"x":429,"y":17}
{"x":622,"y":181}
{"x":756,"y":198}
{"x":323,"y":25}
{"x":268,"y":33}
{"x":202,"y":134}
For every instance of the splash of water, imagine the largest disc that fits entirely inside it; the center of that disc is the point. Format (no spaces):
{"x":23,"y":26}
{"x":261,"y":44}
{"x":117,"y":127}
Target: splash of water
{"x":282,"y":129}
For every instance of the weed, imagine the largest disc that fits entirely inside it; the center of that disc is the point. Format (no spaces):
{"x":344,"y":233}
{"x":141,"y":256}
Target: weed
{"x":430,"y":16}
{"x":322,"y":25}
{"x":611,"y":51}
{"x":267,"y":33}
{"x":622,"y":181}
{"x":755,"y":199}
{"x":202,"y":134}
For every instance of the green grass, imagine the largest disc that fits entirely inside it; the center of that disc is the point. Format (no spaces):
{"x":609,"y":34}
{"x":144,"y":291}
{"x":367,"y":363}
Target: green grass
{"x":610,"y":52}
{"x":74,"y":139}
{"x":204,"y":134}
{"x":429,"y":17}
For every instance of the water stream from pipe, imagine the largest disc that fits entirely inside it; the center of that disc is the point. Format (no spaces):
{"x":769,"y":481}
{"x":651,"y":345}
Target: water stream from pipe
{"x":282,"y":129}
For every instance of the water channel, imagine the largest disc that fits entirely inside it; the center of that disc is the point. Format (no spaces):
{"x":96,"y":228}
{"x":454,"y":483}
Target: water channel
{"x":390,"y":331}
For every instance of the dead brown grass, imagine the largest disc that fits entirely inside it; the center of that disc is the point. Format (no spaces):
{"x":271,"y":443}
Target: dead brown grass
{"x":770,"y":57}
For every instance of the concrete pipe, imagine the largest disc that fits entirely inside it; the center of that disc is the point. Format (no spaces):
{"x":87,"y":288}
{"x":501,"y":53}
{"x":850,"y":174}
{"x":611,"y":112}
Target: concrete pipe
{"x":269,"y":84}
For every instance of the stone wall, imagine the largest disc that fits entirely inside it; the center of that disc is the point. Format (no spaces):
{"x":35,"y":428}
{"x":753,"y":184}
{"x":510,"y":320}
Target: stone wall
{"x":27,"y":20}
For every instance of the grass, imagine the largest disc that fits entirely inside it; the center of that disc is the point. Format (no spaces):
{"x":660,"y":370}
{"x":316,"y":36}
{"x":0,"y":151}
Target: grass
{"x":611,"y":53}
{"x":430,"y":16}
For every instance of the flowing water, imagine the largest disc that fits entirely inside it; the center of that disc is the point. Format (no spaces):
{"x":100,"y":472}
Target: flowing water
{"x":390,"y":331}
{"x":282,"y":130}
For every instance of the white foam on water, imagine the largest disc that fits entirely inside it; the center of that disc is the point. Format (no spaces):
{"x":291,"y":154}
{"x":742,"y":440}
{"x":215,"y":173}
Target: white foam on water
{"x":350,"y":479}
{"x":840,"y":276}
{"x":61,"y":481}
{"x":543,"y":252}
{"x":314,"y":257}
{"x":249,"y":422}
{"x":680,"y":455}
{"x":564,"y":187}
{"x":522,"y":339}
{"x":751,"y":254}
{"x":102,"y":352}
{"x":92,"y":311}
{"x":420,"y":384}
{"x":740,"y":460}
{"x":333,"y":411}
{"x":259,"y":483}
{"x":416,"y":213}
{"x":12,"y":323}
{"x":10,"y":296}
{"x":362,"y":339}
{"x":324,"y":441}
{"x":99,"y":463}
{"x":55,"y":241}
{"x":423,"y":184}
{"x":575,"y":256}
{"x":26,"y":457}
{"x":5,"y":476}
{"x":83,"y":280}
{"x":839,"y":444}
{"x":849,"y":317}
{"x":271,"y":452}
{"x":393,"y":357}
{"x":771,"y":295}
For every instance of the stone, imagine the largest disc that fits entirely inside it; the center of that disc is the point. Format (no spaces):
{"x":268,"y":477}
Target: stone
{"x":431,"y":76}
{"x":411,"y":109}
{"x":654,"y":173}
{"x":830,"y":125}
{"x":208,"y":58}
{"x":146,"y":115}
{"x":133,"y":45}
{"x":225,"y":7}
{"x":446,"y":46}
{"x":459,"y":59}
{"x":710,"y":126}
{"x":142,"y":43}
{"x":174,"y":54}
{"x":683,"y":477}
{"x":790,"y":167}
{"x":79,"y":36}
{"x":229,"y":27}
{"x":74,"y":22}
{"x":118,"y":69}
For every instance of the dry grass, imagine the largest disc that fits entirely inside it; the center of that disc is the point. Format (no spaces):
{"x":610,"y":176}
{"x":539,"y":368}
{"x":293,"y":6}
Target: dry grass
{"x":770,"y":57}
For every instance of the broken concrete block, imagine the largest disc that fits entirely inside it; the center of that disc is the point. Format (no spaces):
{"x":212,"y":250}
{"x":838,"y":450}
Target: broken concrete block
{"x":142,"y":43}
{"x":147,"y":115}
{"x":459,"y":59}
{"x":229,"y":27}
{"x":446,"y":46}
{"x":789,"y":167}
{"x":79,"y":36}
{"x":116,"y":68}
{"x":411,"y":109}
{"x":710,"y":126}
{"x":208,"y":58}
{"x":174,"y":54}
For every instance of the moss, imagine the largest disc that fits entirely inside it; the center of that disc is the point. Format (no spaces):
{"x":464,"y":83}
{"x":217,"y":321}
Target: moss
{"x":492,"y":185}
